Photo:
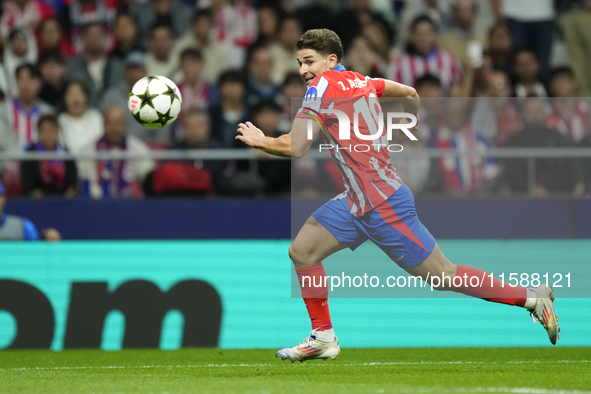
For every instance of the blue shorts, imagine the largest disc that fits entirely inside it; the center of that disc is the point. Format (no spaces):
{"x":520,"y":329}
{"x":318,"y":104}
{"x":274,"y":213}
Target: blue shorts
{"x":392,"y":225}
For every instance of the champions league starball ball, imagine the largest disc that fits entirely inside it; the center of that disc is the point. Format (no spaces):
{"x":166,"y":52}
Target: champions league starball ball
{"x":155,"y":101}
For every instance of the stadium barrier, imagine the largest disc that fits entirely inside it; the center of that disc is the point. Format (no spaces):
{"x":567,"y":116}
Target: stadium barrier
{"x":529,"y":154}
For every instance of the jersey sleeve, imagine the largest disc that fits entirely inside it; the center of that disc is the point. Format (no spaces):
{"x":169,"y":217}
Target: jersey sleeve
{"x":379,"y":85}
{"x":312,"y":102}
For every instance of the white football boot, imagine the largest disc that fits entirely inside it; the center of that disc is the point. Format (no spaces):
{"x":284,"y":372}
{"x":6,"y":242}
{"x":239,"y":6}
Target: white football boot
{"x":311,"y":348}
{"x":544,"y":311}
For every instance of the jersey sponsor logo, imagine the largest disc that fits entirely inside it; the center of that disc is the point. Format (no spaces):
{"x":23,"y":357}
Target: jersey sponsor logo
{"x":311,"y":99}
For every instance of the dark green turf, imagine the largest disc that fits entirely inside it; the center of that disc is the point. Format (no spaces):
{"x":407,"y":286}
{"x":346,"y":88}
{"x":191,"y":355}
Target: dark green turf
{"x":465,"y":370}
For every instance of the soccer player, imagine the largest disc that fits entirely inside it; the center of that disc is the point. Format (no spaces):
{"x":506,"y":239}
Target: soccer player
{"x":376,"y":205}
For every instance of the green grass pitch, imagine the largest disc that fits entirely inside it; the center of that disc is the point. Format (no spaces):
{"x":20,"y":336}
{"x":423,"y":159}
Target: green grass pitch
{"x":548,"y":370}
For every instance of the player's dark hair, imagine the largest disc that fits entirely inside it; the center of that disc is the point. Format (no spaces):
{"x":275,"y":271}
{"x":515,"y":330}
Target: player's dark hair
{"x":561,"y":71}
{"x":51,"y":56}
{"x":292,"y":78}
{"x":324,"y":41}
{"x":191,"y":53}
{"x":422,"y":19}
{"x":47,"y":118}
{"x":267,"y":105}
{"x":428,"y":80}
{"x":30,"y":68}
{"x":231,"y":76}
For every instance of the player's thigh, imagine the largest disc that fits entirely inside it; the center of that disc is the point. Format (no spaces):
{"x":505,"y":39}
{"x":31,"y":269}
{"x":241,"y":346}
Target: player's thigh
{"x":436,"y":264}
{"x":313,"y":244}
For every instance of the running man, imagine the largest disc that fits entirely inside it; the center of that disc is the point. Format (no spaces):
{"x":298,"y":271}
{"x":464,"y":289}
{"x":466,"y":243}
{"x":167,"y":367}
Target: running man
{"x":377,"y":205}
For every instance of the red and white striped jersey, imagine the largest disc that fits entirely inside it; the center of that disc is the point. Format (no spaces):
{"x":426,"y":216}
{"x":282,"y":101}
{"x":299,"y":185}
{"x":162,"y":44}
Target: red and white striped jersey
{"x":572,"y":124}
{"x":364,"y":164}
{"x":23,"y":122}
{"x":405,"y":68}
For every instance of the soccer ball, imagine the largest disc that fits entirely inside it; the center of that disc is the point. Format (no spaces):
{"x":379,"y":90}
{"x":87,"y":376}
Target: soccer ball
{"x":155,"y":101}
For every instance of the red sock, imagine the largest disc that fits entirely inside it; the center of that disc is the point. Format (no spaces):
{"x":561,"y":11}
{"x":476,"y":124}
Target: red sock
{"x":495,"y":293}
{"x":315,"y":294}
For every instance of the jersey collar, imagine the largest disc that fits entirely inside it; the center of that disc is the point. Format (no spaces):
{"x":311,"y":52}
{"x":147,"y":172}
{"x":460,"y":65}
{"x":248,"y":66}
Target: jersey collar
{"x":340,"y":67}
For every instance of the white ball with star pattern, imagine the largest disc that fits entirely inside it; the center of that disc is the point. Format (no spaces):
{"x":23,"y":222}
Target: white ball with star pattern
{"x":155,"y":101}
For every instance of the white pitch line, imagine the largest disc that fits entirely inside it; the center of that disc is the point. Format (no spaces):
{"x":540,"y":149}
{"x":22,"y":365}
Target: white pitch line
{"x":370,"y":364}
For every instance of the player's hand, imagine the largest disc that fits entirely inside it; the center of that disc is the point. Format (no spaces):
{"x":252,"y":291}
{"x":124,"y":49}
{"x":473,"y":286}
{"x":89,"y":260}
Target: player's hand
{"x":250,"y":135}
{"x":412,"y":129}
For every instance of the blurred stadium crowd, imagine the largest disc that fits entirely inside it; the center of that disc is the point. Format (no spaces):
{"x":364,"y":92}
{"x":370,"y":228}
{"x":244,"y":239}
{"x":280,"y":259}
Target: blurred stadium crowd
{"x":68,"y":66}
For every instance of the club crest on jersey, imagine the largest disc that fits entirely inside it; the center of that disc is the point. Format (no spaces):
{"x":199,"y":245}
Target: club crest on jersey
{"x":311,"y":99}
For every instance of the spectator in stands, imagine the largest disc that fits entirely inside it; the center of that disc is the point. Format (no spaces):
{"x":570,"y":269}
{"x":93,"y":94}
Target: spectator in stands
{"x":80,"y":124}
{"x":463,"y":40}
{"x":48,"y":177}
{"x":117,"y":96}
{"x":22,"y":13}
{"x":269,"y":20}
{"x":235,"y":25}
{"x":526,"y":69}
{"x":92,"y":66}
{"x":191,"y":176}
{"x":424,"y":56}
{"x":552,"y":175}
{"x":215,"y":56}
{"x":195,"y":90}
{"x":173,"y":13}
{"x":126,"y":36}
{"x":18,"y":118}
{"x":276,"y":173}
{"x":15,"y":228}
{"x":50,"y":38}
{"x":532,"y":25}
{"x":500,"y":46}
{"x":469,"y":174}
{"x":496,"y":117}
{"x":52,"y":66}
{"x":377,"y":37}
{"x":577,"y":37}
{"x":160,"y":58}
{"x":361,"y":58}
{"x":79,"y":14}
{"x":293,"y":90}
{"x":20,"y":48}
{"x":283,"y":52}
{"x":349,"y":23}
{"x":260,"y":86}
{"x":116,"y":178}
{"x":568,"y":113}
{"x":230,"y":111}
{"x":439,"y":11}
{"x":429,"y":89}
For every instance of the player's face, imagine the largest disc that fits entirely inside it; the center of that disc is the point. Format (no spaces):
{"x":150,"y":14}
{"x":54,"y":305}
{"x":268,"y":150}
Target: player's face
{"x":312,"y":64}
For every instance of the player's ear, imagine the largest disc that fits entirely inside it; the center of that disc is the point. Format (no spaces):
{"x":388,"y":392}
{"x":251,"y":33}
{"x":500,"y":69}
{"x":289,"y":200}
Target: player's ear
{"x":333,"y":61}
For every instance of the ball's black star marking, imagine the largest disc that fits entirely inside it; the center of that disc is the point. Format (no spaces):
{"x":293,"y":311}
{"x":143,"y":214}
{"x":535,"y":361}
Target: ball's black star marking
{"x":147,"y":98}
{"x":163,"y":118}
{"x":171,"y":93}
{"x":150,"y":78}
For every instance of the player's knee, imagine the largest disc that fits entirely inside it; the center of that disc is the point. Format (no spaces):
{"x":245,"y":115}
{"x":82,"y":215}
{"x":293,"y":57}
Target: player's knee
{"x":298,"y":258}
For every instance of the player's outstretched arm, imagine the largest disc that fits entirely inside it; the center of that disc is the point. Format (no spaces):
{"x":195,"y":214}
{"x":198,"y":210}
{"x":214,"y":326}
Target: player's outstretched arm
{"x":394,"y":89}
{"x":254,"y":137}
{"x":294,"y":144}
